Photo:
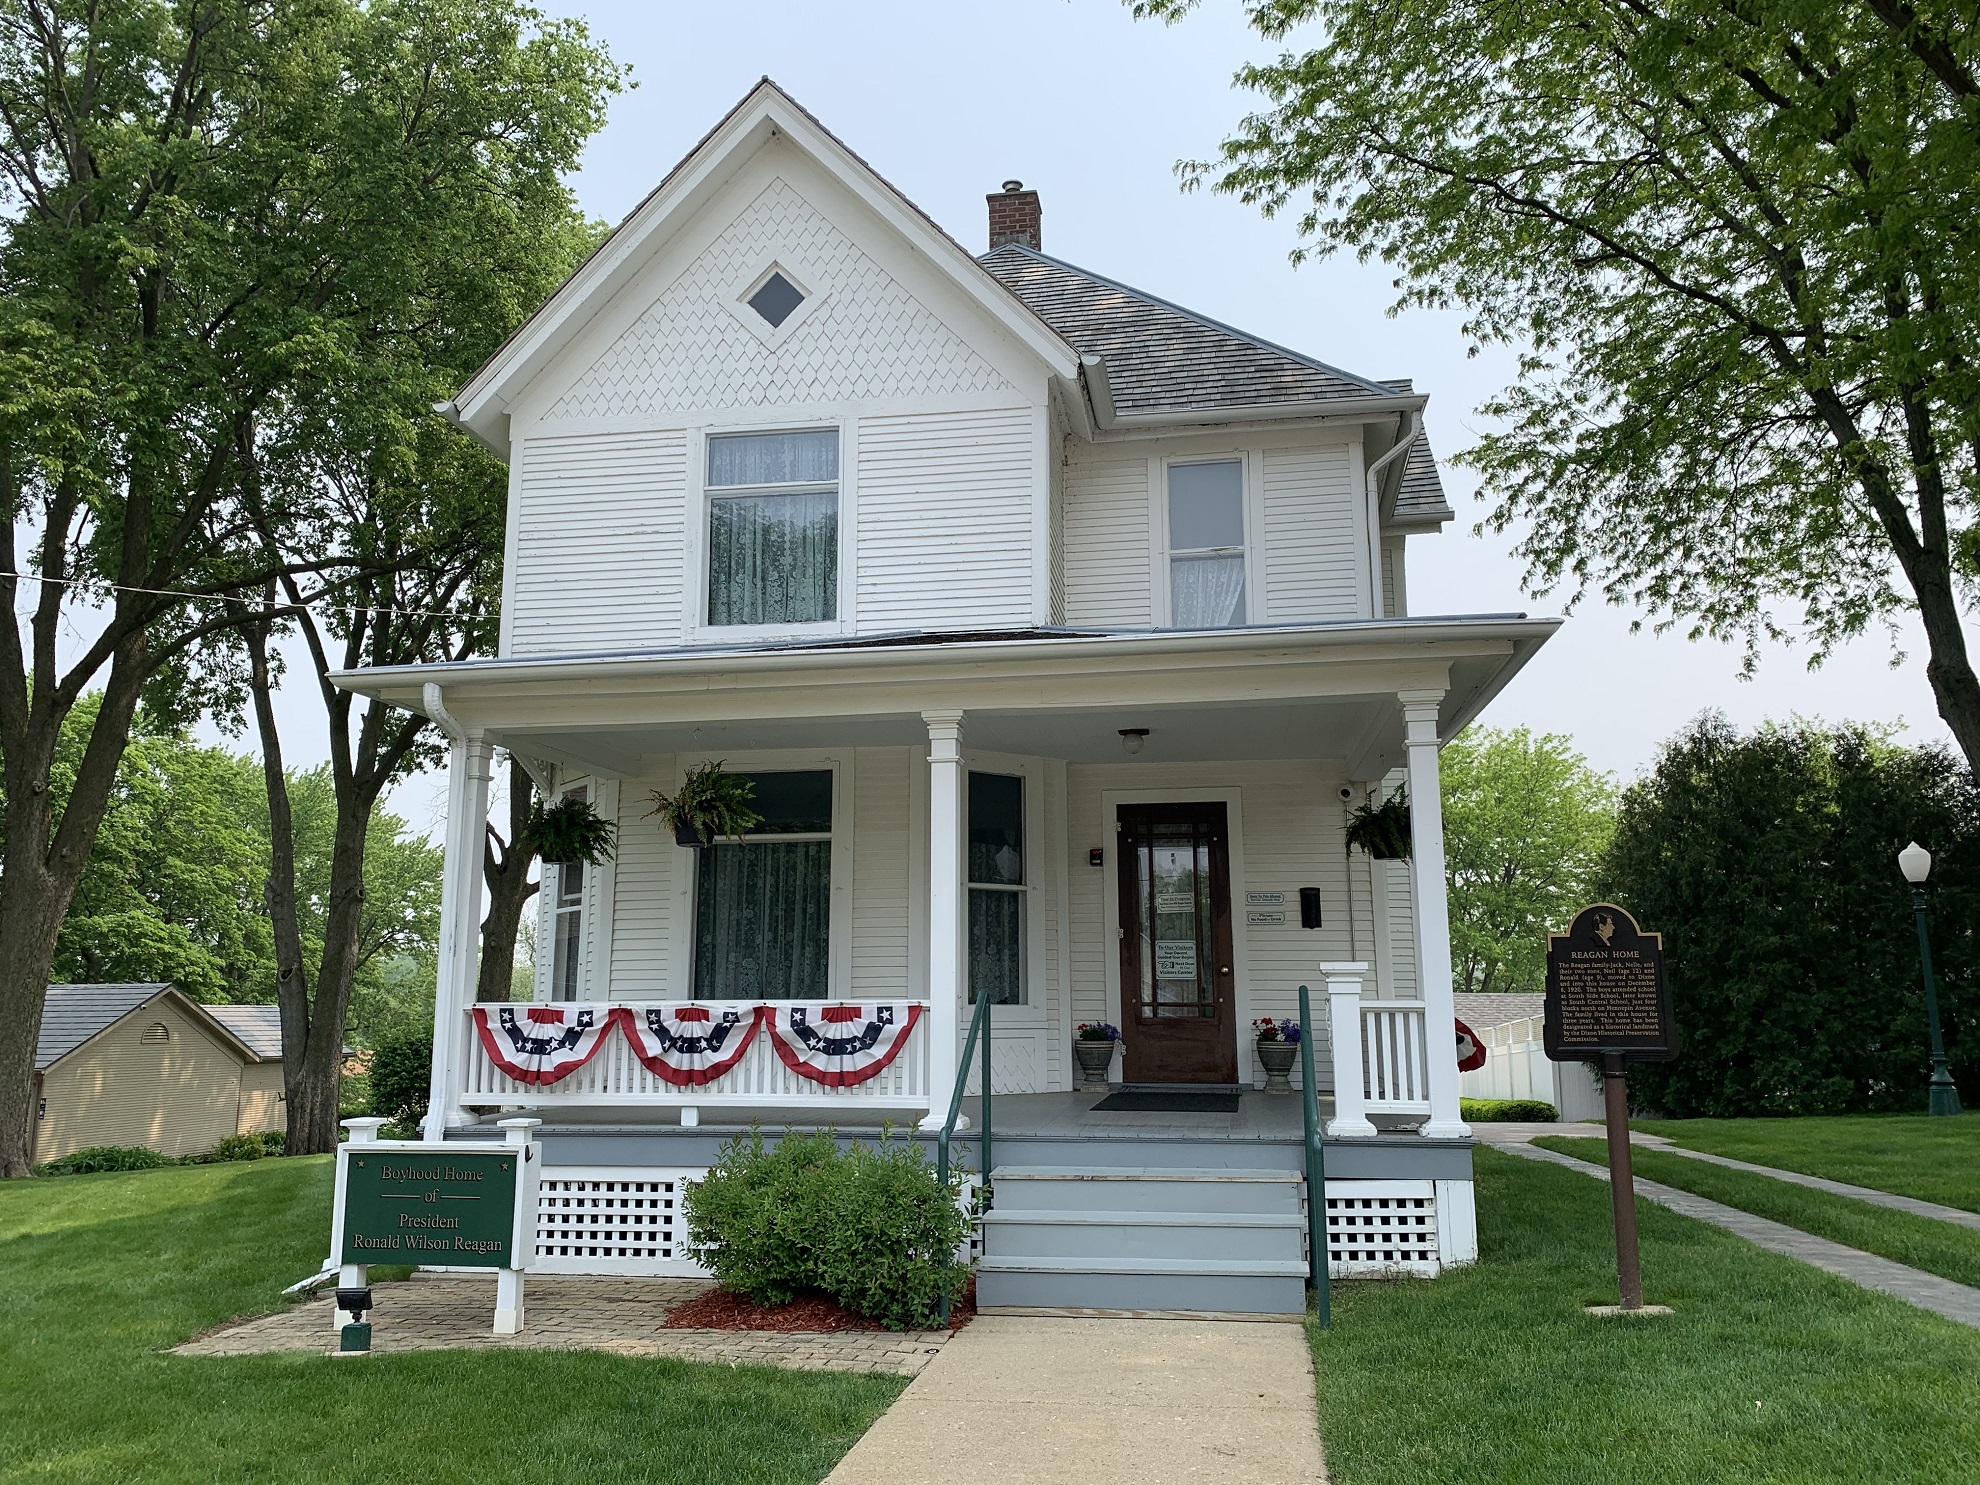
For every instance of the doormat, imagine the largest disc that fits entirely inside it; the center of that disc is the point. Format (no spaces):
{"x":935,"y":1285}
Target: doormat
{"x":1179,"y":1102}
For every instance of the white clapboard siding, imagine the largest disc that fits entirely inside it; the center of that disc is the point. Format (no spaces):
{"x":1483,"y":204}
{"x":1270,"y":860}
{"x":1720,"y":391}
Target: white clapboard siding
{"x":1313,"y":559}
{"x":945,"y":518}
{"x":880,"y":874}
{"x":598,"y":542}
{"x":1109,"y":570}
{"x":1402,"y":928}
{"x":644,"y":883}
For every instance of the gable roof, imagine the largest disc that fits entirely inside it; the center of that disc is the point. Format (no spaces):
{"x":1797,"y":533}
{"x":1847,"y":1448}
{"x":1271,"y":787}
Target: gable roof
{"x":259,"y":1027}
{"x":765,"y":113}
{"x":1164,"y":359}
{"x":73,"y":1014}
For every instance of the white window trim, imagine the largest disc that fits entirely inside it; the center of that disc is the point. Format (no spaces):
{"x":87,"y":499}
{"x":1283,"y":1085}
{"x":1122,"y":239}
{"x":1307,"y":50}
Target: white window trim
{"x":802,"y":277}
{"x":839,"y":926}
{"x":701,"y":499}
{"x":1251,"y":485}
{"x":1036,"y":877}
{"x":594,"y":912}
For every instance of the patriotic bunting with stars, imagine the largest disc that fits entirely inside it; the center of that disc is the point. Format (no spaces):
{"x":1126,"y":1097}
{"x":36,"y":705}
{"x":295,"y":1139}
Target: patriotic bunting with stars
{"x":542,"y":1044}
{"x":690,"y":1045}
{"x":840,"y":1045}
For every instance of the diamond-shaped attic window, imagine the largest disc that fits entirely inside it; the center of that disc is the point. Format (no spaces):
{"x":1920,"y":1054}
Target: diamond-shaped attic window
{"x":776,"y":300}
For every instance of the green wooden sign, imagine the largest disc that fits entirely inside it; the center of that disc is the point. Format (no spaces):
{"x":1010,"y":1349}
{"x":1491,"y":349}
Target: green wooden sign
{"x":452,"y":1209}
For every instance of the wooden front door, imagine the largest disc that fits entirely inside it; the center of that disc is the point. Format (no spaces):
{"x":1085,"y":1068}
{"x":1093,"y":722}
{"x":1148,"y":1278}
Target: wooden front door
{"x":1178,"y":998}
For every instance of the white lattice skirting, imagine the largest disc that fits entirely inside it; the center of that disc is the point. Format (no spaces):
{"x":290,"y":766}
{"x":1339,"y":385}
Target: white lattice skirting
{"x":1382,"y":1227}
{"x":613,"y":1220}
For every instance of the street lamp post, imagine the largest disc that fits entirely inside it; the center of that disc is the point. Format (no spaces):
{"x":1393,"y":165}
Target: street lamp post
{"x":1942,"y":1096}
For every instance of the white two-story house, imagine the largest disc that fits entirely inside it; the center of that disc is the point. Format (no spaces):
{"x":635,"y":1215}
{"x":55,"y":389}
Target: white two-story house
{"x":1059,"y":629}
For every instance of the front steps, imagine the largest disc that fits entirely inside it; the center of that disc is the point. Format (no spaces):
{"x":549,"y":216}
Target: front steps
{"x":1107,"y":1237}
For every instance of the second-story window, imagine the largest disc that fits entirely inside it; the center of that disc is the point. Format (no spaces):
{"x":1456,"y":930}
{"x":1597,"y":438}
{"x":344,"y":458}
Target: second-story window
{"x":773,"y":528}
{"x":1206,"y":544}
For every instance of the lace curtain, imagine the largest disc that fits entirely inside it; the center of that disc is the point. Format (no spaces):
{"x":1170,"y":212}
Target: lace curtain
{"x":996,"y":943}
{"x":762,"y":914}
{"x":773,"y":559}
{"x":1206,"y":592}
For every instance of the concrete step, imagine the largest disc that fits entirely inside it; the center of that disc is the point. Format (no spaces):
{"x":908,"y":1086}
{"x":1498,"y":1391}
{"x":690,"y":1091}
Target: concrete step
{"x":1227,"y":1286}
{"x":1124,"y":1189}
{"x":1159,"y":1235}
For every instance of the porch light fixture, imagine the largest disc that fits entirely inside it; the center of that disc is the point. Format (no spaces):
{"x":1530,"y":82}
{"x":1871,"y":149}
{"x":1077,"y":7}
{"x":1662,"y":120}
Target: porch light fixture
{"x":1942,"y":1095}
{"x":1133,"y":737}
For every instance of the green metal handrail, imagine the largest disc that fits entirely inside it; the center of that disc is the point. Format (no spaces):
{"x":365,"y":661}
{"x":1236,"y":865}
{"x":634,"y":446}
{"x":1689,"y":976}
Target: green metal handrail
{"x":1316,"y":1165}
{"x":979,"y":1024}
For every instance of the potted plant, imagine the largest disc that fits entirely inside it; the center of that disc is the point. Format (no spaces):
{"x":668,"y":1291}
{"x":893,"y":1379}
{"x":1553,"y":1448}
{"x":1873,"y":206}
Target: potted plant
{"x":709,"y":805}
{"x":1382,"y":830}
{"x":570,"y":831}
{"x":1277,"y":1044}
{"x":1093,"y":1049}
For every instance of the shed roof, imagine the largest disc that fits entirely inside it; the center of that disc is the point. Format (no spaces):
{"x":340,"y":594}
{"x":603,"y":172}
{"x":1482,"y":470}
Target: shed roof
{"x":1481,"y":1011}
{"x":75,"y":1013}
{"x":259,"y":1027}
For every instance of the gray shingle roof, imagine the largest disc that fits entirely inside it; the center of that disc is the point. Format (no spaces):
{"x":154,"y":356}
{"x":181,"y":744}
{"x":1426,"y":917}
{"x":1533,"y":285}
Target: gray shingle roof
{"x":1421,"y":497}
{"x":75,"y":1013}
{"x":258,"y":1026}
{"x":1161,"y":357}
{"x":1481,"y":1011}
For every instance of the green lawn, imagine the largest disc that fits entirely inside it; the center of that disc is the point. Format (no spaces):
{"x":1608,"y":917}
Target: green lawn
{"x":99,"y":1273}
{"x":1770,"y":1370}
{"x":1932,"y":1159}
{"x":1923,"y":1242}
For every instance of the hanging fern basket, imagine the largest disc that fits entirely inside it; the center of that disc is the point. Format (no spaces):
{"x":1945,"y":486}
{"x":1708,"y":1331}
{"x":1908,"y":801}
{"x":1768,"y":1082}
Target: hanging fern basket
{"x":711,"y":804}
{"x":572,"y":831}
{"x":1382,"y":830}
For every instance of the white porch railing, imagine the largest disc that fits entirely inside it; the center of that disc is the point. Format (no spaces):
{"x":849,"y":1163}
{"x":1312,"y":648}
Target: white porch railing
{"x":616,"y":1077}
{"x":1381,"y":1060}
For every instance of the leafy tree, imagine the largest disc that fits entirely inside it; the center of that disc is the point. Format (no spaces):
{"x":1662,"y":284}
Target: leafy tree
{"x":172,"y":889}
{"x":401,"y":1075}
{"x":1769,"y":864}
{"x":1526,"y":821}
{"x":1735,"y":245}
{"x":210,"y":212}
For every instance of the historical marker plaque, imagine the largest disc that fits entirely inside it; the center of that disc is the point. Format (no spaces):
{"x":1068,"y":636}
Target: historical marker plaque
{"x":1606,"y":992}
{"x":455,"y":1209}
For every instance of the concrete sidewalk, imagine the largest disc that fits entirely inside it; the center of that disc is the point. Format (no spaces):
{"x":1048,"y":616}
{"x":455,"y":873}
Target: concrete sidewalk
{"x":1050,"y":1400}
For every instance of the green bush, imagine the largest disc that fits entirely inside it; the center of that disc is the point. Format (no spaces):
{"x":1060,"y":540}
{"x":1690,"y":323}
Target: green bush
{"x":401,"y":1077}
{"x":240,"y":1147}
{"x":870,"y":1228}
{"x":104,"y":1158}
{"x":1507,"y":1111}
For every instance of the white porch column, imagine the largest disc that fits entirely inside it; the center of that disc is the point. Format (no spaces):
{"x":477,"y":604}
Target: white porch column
{"x":1433,"y":914}
{"x":947,"y":917}
{"x":1350,"y":1121}
{"x":469,"y":764}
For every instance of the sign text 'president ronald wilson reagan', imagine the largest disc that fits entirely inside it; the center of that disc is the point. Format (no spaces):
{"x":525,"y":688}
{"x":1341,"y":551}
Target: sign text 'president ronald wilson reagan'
{"x":454,"y":1209}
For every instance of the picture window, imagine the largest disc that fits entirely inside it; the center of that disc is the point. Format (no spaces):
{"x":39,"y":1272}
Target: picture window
{"x":763,"y":905}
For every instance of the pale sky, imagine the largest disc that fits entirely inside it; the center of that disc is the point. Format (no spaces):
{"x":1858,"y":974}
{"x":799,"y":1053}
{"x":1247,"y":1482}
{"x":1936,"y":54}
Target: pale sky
{"x":1094,"y":109}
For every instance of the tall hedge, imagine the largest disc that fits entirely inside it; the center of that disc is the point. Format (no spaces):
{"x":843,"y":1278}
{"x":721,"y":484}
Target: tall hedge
{"x":1769,"y":864}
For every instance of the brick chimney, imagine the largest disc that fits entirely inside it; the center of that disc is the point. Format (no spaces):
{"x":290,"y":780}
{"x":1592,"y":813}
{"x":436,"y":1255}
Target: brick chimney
{"x":1014,"y":217}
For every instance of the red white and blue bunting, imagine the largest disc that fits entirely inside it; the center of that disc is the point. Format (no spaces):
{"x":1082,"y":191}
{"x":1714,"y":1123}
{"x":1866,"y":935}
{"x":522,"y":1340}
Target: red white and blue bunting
{"x":541,"y":1044}
{"x":840,"y":1045}
{"x":689,"y":1045}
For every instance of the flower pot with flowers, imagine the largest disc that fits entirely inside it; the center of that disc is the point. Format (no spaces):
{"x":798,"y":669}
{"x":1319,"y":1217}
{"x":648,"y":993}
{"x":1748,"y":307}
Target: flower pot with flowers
{"x":1093,"y":1049}
{"x":1278,"y":1045}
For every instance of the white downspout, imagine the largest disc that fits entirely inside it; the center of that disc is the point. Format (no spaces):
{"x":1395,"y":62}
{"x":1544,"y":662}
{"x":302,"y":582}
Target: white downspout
{"x":1375,"y":472}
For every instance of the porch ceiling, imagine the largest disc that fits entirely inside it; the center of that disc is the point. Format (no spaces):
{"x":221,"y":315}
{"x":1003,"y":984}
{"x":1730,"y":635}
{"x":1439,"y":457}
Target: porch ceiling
{"x":1322,"y":691}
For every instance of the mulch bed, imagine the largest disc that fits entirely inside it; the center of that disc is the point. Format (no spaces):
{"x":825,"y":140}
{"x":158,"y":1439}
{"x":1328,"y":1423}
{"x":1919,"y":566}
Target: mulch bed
{"x":720,"y":1310}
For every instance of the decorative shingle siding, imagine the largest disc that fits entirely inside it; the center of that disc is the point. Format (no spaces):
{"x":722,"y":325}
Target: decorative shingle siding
{"x":945,"y":520}
{"x":1313,"y":540}
{"x":1109,"y":572}
{"x":869,"y":338}
{"x":599,"y":537}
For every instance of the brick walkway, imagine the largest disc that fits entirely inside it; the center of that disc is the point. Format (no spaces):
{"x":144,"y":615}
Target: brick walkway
{"x":432,"y":1312}
{"x":1927,"y":1291}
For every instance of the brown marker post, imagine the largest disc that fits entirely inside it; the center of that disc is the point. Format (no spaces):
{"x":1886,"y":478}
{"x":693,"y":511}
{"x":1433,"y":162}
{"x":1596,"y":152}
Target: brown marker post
{"x":1622,"y":1181}
{"x":1607,"y":998}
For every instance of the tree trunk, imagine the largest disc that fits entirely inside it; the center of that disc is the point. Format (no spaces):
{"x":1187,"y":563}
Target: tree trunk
{"x":506,"y":866}
{"x":291,"y":975}
{"x":313,"y":1106}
